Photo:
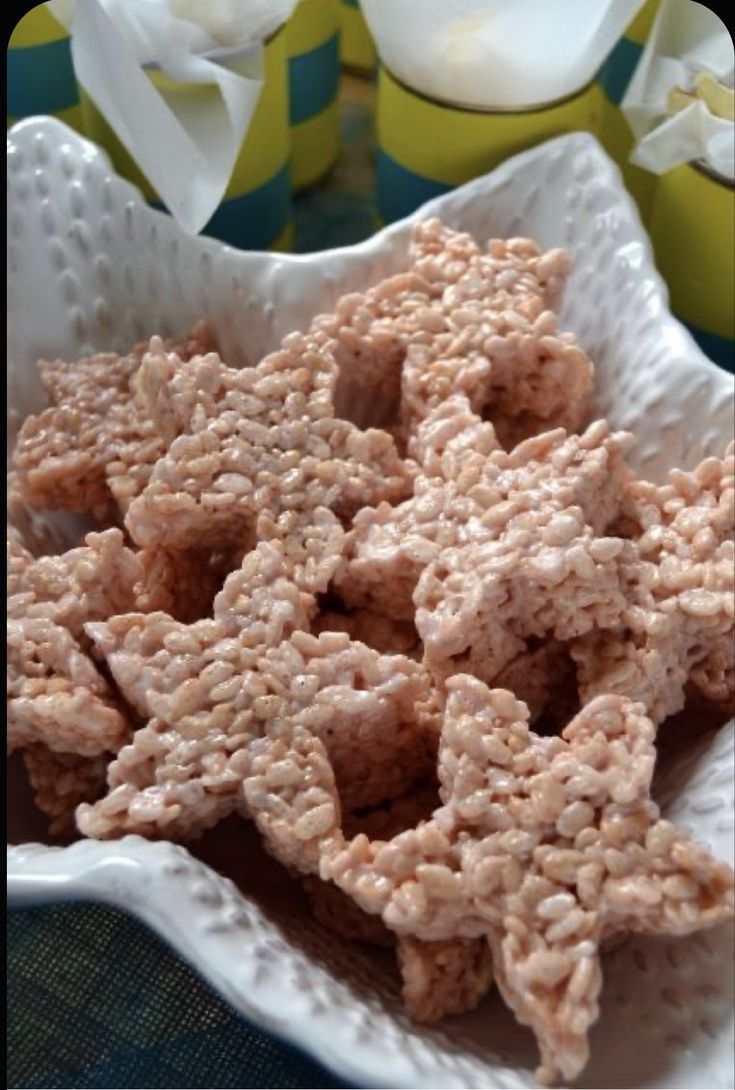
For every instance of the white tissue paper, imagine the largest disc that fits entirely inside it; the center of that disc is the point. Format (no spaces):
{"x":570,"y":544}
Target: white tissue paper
{"x":687,"y":40}
{"x":186,"y":149}
{"x":496,"y":54}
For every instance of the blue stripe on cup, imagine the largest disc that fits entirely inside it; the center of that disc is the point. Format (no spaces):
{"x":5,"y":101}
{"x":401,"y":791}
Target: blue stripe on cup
{"x":313,"y":80}
{"x":41,"y":79}
{"x":616,"y":71}
{"x":352,"y":3}
{"x":256,"y":219}
{"x":400,"y":190}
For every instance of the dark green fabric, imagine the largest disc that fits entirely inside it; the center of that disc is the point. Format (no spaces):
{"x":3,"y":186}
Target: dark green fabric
{"x":95,"y":999}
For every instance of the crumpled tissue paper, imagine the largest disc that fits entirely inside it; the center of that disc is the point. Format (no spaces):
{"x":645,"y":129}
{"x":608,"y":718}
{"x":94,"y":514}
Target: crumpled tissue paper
{"x":683,"y":81}
{"x":185,"y":145}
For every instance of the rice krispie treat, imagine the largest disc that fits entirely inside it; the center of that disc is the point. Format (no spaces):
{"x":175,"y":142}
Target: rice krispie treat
{"x":227,"y":698}
{"x":518,"y":267}
{"x":389,"y":546}
{"x":677,"y":627}
{"x":439,"y":978}
{"x":443,"y":978}
{"x":56,"y":694}
{"x":544,"y":846}
{"x":462,"y":320}
{"x":94,"y":448}
{"x":260,"y":601}
{"x":331,"y":905}
{"x":214,"y":736}
{"x":61,"y":781}
{"x":263,"y":458}
{"x":495,"y":549}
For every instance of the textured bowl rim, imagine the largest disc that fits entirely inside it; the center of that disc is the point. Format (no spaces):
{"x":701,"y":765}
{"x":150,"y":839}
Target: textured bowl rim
{"x":121,"y":873}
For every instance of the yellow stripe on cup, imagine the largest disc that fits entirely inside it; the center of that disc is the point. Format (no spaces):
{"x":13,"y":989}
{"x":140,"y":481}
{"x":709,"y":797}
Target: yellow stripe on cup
{"x":357,"y":48}
{"x":256,"y":210}
{"x":314,"y":147}
{"x":426,"y":147}
{"x":640,"y":27}
{"x":692,"y":229}
{"x":40,"y":73}
{"x":312,"y":39}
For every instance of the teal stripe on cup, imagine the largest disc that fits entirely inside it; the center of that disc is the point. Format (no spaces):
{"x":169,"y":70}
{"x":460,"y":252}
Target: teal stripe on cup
{"x":313,"y":80}
{"x":616,"y":71}
{"x":352,"y":3}
{"x":400,"y":190}
{"x":256,"y":219}
{"x":41,"y":79}
{"x":721,"y":350}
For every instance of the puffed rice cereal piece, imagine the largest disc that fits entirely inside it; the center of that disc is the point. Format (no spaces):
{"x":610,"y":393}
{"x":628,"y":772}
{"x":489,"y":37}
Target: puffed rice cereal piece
{"x":94,"y":448}
{"x":545,"y":846}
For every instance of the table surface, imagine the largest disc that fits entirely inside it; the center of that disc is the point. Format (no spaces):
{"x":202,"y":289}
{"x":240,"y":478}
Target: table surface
{"x":95,"y":999}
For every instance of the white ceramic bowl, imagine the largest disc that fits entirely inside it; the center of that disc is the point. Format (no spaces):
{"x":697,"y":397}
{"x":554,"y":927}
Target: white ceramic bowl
{"x":91,"y":267}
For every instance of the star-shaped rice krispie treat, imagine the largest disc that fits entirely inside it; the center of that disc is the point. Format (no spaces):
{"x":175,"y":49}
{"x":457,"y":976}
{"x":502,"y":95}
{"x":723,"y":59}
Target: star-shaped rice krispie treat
{"x":462,"y":320}
{"x":544,"y":846}
{"x":94,"y":448}
{"x":537,"y":565}
{"x":494,"y":549}
{"x":238,"y":704}
{"x":263,"y":458}
{"x":56,"y":694}
{"x":679,"y":582}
